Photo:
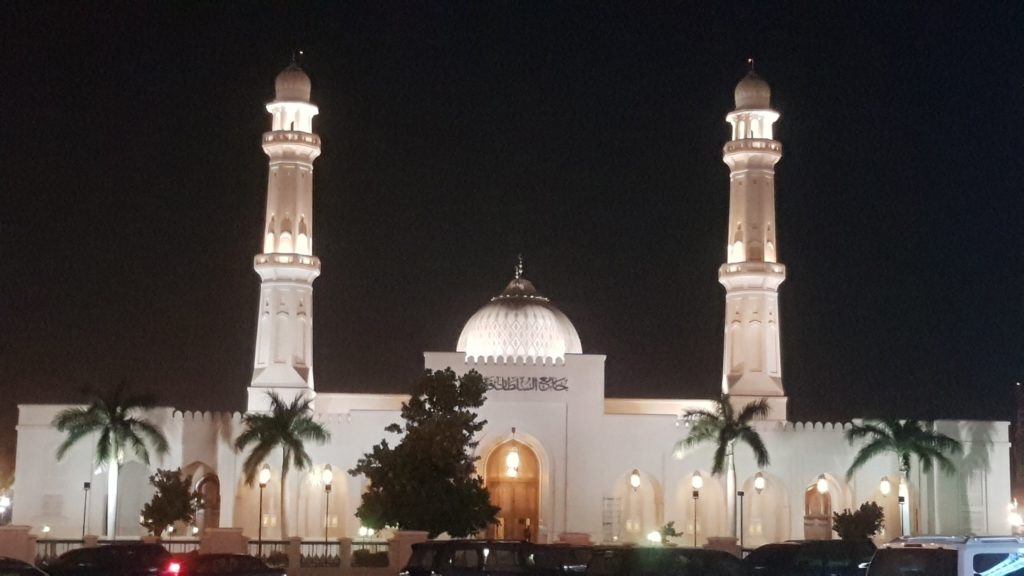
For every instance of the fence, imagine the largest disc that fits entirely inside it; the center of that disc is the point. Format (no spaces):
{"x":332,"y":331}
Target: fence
{"x":273,"y":552}
{"x":370,"y":553}
{"x":47,"y":549}
{"x":181,"y":545}
{"x":320,"y":554}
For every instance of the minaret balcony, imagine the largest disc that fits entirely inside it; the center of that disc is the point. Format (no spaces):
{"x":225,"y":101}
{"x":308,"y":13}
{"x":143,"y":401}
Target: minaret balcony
{"x":752,"y":275}
{"x":752,"y":145}
{"x":282,"y":266}
{"x":302,"y":143}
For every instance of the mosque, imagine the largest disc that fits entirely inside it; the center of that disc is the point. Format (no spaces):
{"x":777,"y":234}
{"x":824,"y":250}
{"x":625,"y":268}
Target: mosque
{"x":557,"y":456}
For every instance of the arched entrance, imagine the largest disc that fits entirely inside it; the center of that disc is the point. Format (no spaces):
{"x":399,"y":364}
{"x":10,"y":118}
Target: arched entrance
{"x":818,"y":511}
{"x":209,"y":488}
{"x":513,"y":479}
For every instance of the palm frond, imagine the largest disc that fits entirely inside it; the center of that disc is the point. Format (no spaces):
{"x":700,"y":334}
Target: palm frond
{"x":867,"y":452}
{"x":753,"y":410}
{"x":718,"y":464}
{"x":756,"y":443}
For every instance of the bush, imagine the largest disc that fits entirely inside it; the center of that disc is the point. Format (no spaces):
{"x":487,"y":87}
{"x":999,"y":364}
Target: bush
{"x":366,"y":559}
{"x":859,"y":525}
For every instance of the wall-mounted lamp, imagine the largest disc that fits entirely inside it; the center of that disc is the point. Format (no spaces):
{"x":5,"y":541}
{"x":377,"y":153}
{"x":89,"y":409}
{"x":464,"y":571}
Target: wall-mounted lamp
{"x":512,"y":458}
{"x":759,"y":482}
{"x":885,"y":486}
{"x":634,"y":479}
{"x":822,"y":484}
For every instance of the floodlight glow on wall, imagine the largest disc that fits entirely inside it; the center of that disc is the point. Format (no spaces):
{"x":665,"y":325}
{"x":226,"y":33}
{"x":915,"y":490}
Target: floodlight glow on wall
{"x":759,"y":482}
{"x":634,"y":479}
{"x":822,"y":484}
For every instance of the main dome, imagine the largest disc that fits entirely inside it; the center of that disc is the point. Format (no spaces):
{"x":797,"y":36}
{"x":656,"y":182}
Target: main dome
{"x":519,"y":325}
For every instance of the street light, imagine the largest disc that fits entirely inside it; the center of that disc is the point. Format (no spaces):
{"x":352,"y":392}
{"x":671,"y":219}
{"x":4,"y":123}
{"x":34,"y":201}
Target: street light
{"x":696,"y":482}
{"x":740,"y":494}
{"x":634,"y":479}
{"x":264,"y":478}
{"x":327,"y":476}
{"x":759,"y":482}
{"x":85,"y":505}
{"x":885,"y":486}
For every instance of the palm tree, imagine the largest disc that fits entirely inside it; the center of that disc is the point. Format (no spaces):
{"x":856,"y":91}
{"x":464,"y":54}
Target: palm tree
{"x":287,"y":426}
{"x":113,"y":416}
{"x":902,"y":438}
{"x":724,"y":427}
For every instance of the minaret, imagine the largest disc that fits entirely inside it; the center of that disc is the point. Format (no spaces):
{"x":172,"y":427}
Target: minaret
{"x":752,"y":366}
{"x":287,"y":267}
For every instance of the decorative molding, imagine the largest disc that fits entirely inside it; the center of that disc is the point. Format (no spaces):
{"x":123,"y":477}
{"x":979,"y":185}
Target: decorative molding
{"x":527,"y":383}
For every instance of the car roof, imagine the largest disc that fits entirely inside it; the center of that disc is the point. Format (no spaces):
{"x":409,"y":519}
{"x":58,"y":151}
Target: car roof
{"x":955,"y":542}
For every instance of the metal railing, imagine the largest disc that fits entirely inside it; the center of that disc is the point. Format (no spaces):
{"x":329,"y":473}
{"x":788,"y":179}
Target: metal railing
{"x":181,"y":546}
{"x":369,"y":553}
{"x":48,"y":549}
{"x":273,"y":552}
{"x":315,"y":554}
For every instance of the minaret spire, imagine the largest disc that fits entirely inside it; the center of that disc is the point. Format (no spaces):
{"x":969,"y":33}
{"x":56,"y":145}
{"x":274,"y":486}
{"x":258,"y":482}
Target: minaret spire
{"x":287,"y":266}
{"x":519,"y":267}
{"x":752,"y":364}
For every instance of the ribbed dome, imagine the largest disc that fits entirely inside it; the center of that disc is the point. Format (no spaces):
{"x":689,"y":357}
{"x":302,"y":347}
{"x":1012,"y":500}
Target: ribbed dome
{"x":753,"y":93}
{"x":292,"y":84}
{"x":519,"y":325}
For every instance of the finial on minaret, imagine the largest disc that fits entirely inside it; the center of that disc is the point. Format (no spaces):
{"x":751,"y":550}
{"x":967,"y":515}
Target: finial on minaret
{"x":519,"y":267}
{"x":750,"y":62}
{"x":296,"y":56}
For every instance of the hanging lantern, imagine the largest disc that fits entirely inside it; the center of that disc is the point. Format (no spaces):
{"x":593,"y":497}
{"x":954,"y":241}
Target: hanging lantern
{"x":634,"y":479}
{"x":885,"y":486}
{"x":822,"y":484}
{"x":759,"y":482}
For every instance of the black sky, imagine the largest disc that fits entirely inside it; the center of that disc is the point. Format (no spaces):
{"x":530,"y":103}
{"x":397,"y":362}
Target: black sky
{"x":585,"y":135}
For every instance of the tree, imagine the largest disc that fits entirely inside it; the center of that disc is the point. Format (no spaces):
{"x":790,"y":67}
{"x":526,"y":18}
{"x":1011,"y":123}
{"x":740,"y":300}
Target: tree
{"x":428,"y":480}
{"x":903,"y":438}
{"x":724,"y":427}
{"x":669,"y":531}
{"x":112,"y":415}
{"x":173,"y":501}
{"x":862,"y":524}
{"x":288,"y":426}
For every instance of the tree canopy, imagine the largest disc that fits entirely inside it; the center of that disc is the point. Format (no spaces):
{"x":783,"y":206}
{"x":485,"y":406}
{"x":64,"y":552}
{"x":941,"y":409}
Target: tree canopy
{"x":173,"y":501}
{"x":428,"y":481}
{"x":904,"y":438}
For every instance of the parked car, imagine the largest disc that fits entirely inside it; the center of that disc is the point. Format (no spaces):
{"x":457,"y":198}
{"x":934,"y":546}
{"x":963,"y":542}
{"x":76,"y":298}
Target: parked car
{"x":467,"y":558}
{"x":219,"y":565}
{"x":12,"y":567}
{"x":128,"y":559}
{"x":950,"y":556}
{"x":658,"y":561}
{"x":557,"y":559}
{"x":810,"y":558}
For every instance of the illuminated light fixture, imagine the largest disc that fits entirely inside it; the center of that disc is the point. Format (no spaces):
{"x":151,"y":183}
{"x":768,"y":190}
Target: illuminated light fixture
{"x":654,"y":537}
{"x":822,"y":484}
{"x":697,"y":481}
{"x":634,"y":479}
{"x":885,"y":486}
{"x":327,"y":476}
{"x":512,"y":458}
{"x":264,"y":476}
{"x":759,"y":482}
{"x":46,"y":529}
{"x":195,"y":530}
{"x":5,"y":501}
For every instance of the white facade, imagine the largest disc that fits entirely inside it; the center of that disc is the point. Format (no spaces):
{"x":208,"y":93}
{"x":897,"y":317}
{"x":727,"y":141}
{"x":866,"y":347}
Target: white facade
{"x":546,"y":401}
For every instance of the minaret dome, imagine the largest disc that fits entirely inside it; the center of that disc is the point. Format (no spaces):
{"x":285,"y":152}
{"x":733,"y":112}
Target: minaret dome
{"x":292,"y":84}
{"x":753,"y":93}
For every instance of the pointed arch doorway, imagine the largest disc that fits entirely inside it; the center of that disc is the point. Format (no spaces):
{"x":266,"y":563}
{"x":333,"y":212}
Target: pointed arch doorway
{"x":513,"y":479}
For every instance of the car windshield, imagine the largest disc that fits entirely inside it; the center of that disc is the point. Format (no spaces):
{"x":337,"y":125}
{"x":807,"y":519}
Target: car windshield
{"x":423,"y":558}
{"x":913,"y":562}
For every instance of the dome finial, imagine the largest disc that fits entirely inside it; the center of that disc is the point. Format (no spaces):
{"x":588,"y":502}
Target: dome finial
{"x":519,"y":267}
{"x":750,"y":62}
{"x":296,"y":56}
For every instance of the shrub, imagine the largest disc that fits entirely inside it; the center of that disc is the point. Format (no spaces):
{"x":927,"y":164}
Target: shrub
{"x":860,"y":524}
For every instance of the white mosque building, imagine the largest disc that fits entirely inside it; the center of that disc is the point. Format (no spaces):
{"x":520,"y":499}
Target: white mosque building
{"x":607,"y":468}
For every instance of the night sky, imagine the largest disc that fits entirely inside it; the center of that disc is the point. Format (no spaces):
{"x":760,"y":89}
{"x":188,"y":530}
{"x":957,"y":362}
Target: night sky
{"x":455,"y":135}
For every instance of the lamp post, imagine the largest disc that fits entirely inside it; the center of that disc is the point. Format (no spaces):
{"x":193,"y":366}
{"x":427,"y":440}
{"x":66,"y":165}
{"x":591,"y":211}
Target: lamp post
{"x":740,"y":494}
{"x":85,"y":505}
{"x":328,"y":476}
{"x":264,"y":478}
{"x":696,"y":482}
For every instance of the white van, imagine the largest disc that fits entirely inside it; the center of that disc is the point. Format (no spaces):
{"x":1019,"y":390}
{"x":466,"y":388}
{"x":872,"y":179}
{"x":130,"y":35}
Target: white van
{"x":950,"y":556}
